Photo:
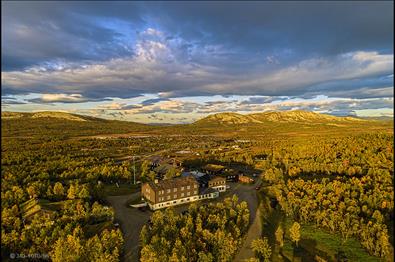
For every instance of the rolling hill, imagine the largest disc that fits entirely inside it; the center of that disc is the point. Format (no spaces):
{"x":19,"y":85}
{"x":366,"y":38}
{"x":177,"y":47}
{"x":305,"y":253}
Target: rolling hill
{"x":296,"y":116}
{"x":228,"y":118}
{"x":48,"y":114}
{"x":60,"y":124}
{"x":64,"y":125}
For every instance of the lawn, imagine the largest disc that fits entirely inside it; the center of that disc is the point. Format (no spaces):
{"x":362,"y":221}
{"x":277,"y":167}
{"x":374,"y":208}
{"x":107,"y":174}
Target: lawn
{"x":123,"y":189}
{"x":318,"y":241}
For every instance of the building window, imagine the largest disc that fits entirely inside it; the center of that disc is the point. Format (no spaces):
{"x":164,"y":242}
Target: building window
{"x":168,"y":190}
{"x":196,"y":191}
{"x":168,"y":197}
{"x":182,"y":194}
{"x":175,"y":190}
{"x":188,"y":193}
{"x":188,"y":187}
{"x":195,"y":186}
{"x":182,"y":188}
{"x":175,"y":195}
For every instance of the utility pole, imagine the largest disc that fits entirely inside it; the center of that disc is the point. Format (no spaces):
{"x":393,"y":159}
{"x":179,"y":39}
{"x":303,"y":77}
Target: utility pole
{"x":134,"y":172}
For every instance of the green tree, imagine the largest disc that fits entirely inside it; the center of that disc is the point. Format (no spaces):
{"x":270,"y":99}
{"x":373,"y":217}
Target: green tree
{"x":262,"y":248}
{"x":58,"y":189}
{"x":171,"y":172}
{"x":145,"y":169}
{"x":32,"y":191}
{"x":151,"y":175}
{"x":71,"y":192}
{"x":84,"y":192}
{"x":67,"y":249}
{"x":280,"y":236}
{"x":295,"y":232}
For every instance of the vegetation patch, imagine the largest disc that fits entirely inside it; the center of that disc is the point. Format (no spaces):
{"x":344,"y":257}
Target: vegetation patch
{"x":123,"y":189}
{"x":211,"y":232}
{"x":317,"y":241}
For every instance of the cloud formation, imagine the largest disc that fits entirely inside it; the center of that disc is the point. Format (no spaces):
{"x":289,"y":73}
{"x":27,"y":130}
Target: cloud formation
{"x":60,"y":98}
{"x":83,"y":52}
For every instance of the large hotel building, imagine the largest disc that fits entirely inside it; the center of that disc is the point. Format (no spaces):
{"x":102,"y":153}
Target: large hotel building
{"x":181,"y":190}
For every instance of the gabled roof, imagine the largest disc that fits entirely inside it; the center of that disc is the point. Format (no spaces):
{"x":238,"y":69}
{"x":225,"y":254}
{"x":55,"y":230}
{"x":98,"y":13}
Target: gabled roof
{"x":174,"y":182}
{"x":217,"y":179}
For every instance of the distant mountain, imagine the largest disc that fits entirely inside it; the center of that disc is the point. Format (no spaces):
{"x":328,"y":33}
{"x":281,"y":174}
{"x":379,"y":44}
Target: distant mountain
{"x":296,"y":116}
{"x":228,"y":118}
{"x":63,"y":125}
{"x":47,"y":114}
{"x":299,"y":116}
{"x":379,"y":118}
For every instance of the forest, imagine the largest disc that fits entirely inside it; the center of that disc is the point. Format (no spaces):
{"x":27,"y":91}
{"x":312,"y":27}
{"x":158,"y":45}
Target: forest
{"x":205,"y":233}
{"x":342,"y":185}
{"x":56,"y":174}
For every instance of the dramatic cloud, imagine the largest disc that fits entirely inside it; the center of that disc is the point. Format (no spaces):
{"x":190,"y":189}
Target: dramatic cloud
{"x":87,"y":53}
{"x":60,"y":98}
{"x":155,"y":70}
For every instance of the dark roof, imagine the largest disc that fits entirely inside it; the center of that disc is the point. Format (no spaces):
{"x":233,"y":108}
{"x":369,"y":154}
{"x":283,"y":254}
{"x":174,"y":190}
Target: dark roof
{"x":217,"y":178}
{"x":208,"y":190}
{"x":174,"y":182}
{"x":204,"y":179}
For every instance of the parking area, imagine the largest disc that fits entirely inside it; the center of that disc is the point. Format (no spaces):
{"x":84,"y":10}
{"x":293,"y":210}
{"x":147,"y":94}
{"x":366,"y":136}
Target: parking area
{"x":131,"y":221}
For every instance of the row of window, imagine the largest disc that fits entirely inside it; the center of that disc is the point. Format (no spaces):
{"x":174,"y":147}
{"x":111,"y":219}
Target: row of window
{"x":175,"y":202}
{"x":169,"y":203}
{"x":218,"y":183}
{"x":161,"y":192}
{"x":175,"y":196}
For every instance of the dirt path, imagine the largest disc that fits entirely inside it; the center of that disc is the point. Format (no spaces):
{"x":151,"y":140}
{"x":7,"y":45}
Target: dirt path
{"x":254,"y":232}
{"x":131,"y":221}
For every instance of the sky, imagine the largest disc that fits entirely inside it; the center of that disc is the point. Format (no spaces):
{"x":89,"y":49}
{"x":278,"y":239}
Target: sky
{"x":176,"y":62}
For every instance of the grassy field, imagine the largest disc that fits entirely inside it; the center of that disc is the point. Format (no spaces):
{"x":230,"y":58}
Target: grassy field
{"x":318,"y":241}
{"x":123,"y":189}
{"x":314,"y":241}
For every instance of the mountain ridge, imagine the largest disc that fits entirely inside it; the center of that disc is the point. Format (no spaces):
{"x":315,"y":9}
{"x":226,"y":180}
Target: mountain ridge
{"x":292,"y":116}
{"x":226,"y":118}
